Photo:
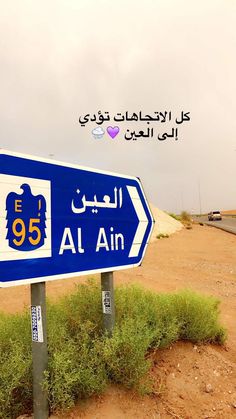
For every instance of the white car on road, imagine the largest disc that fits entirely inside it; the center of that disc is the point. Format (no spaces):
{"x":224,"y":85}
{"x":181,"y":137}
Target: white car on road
{"x":214,"y":216}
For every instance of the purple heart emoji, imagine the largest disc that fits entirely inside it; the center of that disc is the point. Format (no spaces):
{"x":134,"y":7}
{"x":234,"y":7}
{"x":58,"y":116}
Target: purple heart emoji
{"x":113,"y":131}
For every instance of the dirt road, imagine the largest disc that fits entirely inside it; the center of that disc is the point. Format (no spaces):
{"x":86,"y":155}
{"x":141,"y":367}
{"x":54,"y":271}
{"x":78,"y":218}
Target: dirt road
{"x":190,"y":381}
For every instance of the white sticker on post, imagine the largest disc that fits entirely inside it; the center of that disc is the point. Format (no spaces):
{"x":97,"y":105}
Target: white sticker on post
{"x":36,"y":324}
{"x":106,"y":302}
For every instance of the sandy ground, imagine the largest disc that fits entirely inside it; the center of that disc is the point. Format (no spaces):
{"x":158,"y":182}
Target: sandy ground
{"x":190,"y":381}
{"x":229,"y":212}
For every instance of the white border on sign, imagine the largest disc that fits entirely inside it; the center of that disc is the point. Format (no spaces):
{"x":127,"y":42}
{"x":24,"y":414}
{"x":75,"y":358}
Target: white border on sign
{"x":94,"y":271}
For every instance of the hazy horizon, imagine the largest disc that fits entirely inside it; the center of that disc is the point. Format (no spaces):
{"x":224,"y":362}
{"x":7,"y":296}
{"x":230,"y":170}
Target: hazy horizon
{"x":63,"y":59}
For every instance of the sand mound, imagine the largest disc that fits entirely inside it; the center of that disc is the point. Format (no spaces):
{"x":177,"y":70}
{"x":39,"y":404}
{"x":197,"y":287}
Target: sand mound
{"x":164,"y":224}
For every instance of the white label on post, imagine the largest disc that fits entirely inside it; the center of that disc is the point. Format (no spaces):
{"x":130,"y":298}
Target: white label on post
{"x":36,"y":324}
{"x":106,"y":302}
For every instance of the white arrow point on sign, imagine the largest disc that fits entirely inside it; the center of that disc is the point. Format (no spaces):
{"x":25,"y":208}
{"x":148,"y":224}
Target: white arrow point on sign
{"x":143,"y":221}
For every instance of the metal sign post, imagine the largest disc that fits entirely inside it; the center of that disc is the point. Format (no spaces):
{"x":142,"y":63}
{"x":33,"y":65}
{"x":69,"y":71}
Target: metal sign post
{"x":108,"y":303}
{"x":39,"y":349}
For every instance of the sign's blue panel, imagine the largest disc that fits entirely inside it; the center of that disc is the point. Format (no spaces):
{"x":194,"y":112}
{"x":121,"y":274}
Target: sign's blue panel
{"x":59,"y":220}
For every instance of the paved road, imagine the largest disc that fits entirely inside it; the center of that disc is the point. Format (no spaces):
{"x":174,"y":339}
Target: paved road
{"x":227,"y":223}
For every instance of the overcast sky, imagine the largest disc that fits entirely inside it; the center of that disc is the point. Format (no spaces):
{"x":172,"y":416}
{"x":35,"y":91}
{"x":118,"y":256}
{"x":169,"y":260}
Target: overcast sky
{"x":60,"y":59}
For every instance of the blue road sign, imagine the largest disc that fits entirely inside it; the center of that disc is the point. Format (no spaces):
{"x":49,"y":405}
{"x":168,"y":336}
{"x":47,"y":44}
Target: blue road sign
{"x":60,"y":220}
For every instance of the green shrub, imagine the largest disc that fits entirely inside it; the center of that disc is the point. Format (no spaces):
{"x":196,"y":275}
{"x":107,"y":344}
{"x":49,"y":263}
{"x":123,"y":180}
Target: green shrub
{"x":175,"y":216}
{"x":185,"y":217}
{"x":124,"y":353}
{"x":83,"y":359}
{"x":76,"y":367}
{"x":198,"y":316}
{"x":15,"y":365}
{"x":149,"y":308}
{"x":76,"y":370}
{"x":162,"y":236}
{"x":84,"y":305}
